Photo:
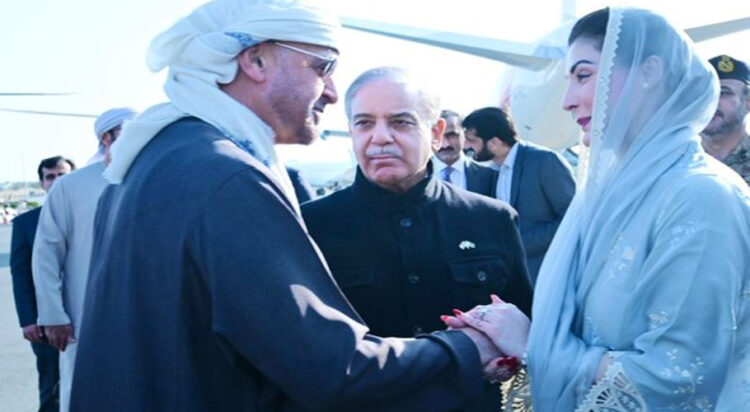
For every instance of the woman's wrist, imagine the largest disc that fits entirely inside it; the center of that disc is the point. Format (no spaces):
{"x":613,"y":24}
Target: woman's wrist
{"x":505,"y":368}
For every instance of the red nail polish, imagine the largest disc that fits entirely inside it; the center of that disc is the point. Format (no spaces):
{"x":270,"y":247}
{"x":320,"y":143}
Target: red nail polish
{"x":510,"y":362}
{"x":457,"y":312}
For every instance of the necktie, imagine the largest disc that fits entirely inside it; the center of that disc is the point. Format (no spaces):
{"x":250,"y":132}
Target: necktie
{"x":446,"y":174}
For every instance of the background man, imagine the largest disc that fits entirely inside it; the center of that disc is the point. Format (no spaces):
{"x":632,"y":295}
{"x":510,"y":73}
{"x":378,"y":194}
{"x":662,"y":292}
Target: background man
{"x":302,"y":188}
{"x":726,"y":137}
{"x":22,"y":244}
{"x":452,"y":166}
{"x":207,"y":292}
{"x":422,"y":247}
{"x":62,"y":250}
{"x":536,"y":181}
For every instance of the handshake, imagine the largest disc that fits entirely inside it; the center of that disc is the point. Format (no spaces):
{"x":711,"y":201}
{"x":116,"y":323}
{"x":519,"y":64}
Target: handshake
{"x":500,"y":331}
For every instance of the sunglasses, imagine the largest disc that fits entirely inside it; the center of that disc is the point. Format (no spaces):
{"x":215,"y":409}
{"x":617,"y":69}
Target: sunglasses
{"x":325,"y":69}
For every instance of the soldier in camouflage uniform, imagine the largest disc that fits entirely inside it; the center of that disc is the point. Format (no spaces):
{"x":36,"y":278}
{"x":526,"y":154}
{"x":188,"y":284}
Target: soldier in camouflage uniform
{"x":739,"y":159}
{"x":726,"y":137}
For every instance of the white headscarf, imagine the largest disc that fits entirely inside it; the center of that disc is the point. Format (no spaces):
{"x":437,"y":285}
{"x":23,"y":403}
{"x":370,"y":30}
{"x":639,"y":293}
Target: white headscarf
{"x":631,"y":150}
{"x":111,"y":119}
{"x":106,"y":122}
{"x":200,"y":51}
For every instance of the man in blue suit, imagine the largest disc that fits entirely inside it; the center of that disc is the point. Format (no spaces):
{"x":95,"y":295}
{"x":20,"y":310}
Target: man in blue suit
{"x":453,"y":167}
{"x":536,"y":181}
{"x":22,"y":242}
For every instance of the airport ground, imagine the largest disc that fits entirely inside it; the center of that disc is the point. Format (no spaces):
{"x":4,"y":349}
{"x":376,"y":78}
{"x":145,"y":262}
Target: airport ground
{"x":18,"y":379}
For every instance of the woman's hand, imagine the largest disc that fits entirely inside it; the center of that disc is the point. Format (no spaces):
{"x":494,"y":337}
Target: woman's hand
{"x":503,"y":323}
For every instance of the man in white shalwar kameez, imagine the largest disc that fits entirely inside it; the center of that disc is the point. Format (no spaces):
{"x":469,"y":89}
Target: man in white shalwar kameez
{"x":62,"y":250}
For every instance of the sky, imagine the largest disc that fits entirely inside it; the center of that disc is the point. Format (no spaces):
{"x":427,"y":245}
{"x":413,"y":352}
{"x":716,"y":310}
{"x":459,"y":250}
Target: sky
{"x":96,"y":49}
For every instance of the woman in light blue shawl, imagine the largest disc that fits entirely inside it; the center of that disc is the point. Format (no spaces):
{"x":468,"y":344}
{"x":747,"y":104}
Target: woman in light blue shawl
{"x":642,"y":300}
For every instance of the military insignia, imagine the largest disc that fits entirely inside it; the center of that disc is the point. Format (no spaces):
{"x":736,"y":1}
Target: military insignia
{"x":465,"y":244}
{"x":726,"y":64}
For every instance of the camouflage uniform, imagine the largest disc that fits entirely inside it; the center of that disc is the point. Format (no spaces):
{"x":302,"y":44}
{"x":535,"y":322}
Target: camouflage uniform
{"x":739,"y":159}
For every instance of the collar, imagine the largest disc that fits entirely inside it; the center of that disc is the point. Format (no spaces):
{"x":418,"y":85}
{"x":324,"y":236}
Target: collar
{"x":459,"y":165}
{"x":382,"y":200}
{"x":510,"y":159}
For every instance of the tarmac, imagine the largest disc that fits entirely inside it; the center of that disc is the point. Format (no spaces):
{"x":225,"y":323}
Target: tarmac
{"x":18,"y":378}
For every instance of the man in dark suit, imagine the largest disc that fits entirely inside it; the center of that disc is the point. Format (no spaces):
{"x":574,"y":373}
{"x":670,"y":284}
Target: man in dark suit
{"x":22,"y":242}
{"x":536,"y":181}
{"x":452,"y":166}
{"x":420,"y":247}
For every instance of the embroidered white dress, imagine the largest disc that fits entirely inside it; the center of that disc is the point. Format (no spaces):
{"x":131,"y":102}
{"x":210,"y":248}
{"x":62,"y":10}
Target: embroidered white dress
{"x":670,"y":307}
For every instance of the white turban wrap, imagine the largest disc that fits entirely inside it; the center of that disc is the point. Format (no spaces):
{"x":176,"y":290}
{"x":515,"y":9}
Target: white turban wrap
{"x":200,"y":51}
{"x":111,"y":119}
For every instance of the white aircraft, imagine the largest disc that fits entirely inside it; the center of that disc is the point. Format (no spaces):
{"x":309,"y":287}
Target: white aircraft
{"x":534,"y":94}
{"x":538,"y":83}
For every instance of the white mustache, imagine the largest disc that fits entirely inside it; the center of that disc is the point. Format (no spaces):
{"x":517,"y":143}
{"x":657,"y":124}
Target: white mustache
{"x":385,"y":150}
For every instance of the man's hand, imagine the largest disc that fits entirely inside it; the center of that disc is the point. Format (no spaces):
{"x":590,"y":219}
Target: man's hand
{"x":60,"y":336}
{"x":33,"y":333}
{"x":487,"y":351}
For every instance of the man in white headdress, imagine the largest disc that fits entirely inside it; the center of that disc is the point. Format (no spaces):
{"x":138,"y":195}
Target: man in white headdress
{"x":106,"y":128}
{"x":207,"y":292}
{"x":62,"y":250}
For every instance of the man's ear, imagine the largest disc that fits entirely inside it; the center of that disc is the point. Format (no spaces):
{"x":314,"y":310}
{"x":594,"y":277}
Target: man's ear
{"x":438,"y":129}
{"x":493,"y":144}
{"x":652,"y":71}
{"x":253,"y":64}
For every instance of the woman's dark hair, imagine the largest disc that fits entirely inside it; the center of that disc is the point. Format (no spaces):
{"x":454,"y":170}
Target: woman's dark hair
{"x":643,"y":32}
{"x":592,"y":26}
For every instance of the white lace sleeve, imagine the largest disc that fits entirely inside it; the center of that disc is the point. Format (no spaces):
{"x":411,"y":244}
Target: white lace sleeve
{"x":614,"y":393}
